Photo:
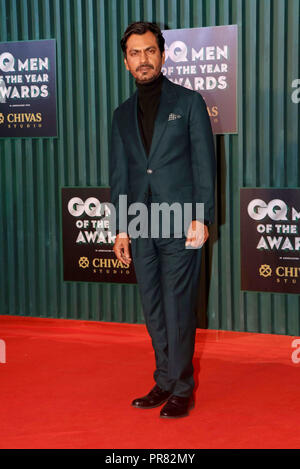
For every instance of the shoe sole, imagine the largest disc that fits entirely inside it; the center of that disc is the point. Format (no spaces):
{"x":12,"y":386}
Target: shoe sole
{"x":178,"y":416}
{"x":149,"y":407}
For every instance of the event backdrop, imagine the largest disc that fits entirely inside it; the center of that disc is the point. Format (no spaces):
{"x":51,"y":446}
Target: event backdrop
{"x":91,"y":82}
{"x":28,"y":89}
{"x":270,"y":240}
{"x":205,"y":60}
{"x":88,"y":236}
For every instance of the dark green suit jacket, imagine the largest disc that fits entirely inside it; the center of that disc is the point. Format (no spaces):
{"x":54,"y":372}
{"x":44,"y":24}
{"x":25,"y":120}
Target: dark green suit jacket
{"x":181,"y":164}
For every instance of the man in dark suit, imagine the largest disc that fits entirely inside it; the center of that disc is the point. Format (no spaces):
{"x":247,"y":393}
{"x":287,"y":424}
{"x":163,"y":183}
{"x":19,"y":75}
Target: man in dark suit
{"x":162,"y":151}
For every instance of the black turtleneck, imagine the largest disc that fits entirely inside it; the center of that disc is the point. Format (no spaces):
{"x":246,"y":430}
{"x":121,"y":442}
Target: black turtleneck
{"x":148,"y":102}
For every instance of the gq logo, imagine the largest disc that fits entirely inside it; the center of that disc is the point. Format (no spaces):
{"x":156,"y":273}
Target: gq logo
{"x":177,"y":51}
{"x":276,"y":209}
{"x":7,"y":62}
{"x":92,"y":207}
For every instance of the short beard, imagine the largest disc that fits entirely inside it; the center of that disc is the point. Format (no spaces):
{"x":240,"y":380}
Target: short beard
{"x":149,"y":80}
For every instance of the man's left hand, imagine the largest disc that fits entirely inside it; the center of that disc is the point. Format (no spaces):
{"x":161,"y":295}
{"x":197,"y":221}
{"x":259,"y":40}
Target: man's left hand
{"x":197,"y":234}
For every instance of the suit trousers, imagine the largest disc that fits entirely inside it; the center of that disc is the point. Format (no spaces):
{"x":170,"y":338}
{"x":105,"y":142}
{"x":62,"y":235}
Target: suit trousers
{"x":168,"y":279}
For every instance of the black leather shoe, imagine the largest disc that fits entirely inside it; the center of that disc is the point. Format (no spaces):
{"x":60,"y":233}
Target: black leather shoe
{"x":177,"y":407}
{"x":155,"y":398}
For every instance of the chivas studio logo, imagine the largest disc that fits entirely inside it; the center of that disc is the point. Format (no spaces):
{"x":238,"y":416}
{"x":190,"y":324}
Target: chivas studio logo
{"x":281,"y":273}
{"x":83,"y":262}
{"x":22,"y":119}
{"x":103,"y":264}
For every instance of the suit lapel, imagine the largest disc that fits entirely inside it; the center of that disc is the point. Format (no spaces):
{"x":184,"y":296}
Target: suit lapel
{"x":167,"y":101}
{"x":130,"y":126}
{"x":166,"y":106}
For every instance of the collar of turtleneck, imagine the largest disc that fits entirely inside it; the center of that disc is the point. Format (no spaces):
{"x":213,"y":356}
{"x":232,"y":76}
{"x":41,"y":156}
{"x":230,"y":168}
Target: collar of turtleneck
{"x":149,"y":89}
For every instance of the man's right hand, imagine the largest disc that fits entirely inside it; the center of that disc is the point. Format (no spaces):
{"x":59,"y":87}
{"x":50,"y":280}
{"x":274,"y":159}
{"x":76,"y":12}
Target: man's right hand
{"x":121,"y":248}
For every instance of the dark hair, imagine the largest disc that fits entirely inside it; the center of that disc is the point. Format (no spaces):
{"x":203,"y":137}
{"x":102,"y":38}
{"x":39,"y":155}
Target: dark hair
{"x":141,"y":27}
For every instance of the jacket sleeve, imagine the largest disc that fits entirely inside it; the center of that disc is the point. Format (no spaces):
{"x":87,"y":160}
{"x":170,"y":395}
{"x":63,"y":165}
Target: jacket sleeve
{"x":118,"y":174}
{"x":203,"y":158}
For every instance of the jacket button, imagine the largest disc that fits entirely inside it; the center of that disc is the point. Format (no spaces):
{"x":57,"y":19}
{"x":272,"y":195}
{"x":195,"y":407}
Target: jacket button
{"x":149,"y":171}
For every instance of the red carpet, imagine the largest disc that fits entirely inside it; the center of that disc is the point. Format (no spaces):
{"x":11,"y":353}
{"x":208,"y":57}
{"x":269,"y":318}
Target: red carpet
{"x":69,"y":384}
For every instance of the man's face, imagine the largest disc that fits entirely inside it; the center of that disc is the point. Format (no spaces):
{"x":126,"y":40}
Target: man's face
{"x":143,"y":58}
